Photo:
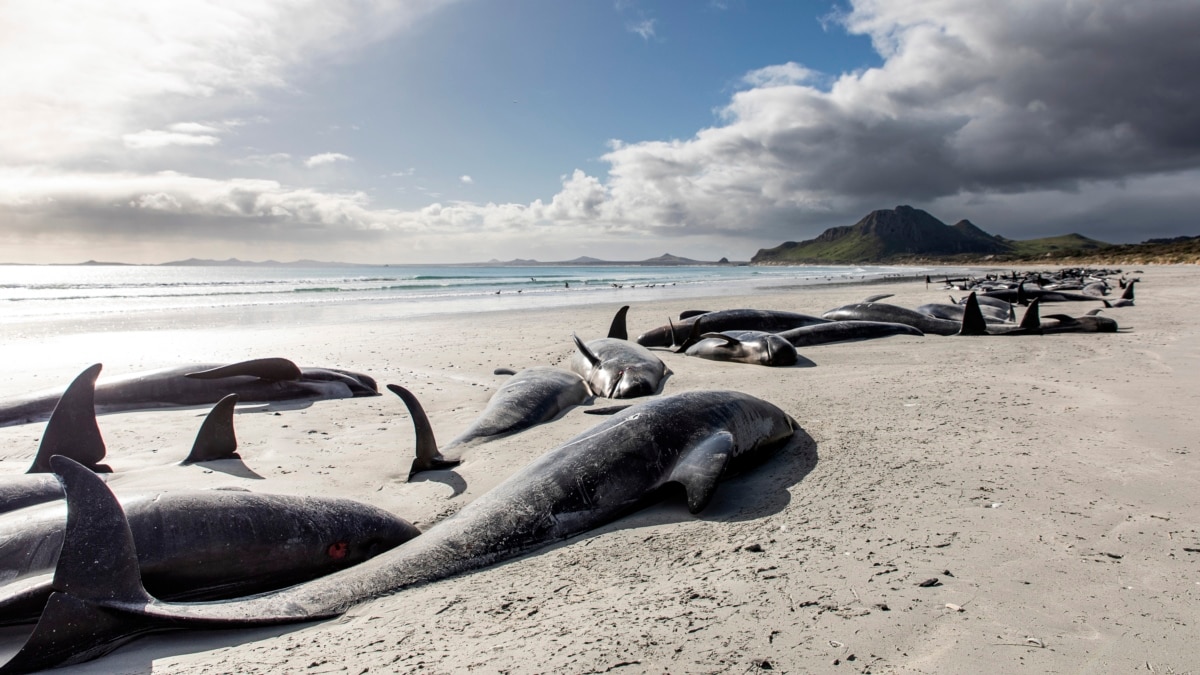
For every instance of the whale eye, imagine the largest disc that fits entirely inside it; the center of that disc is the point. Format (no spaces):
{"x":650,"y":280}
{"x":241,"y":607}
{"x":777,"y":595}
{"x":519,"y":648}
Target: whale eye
{"x":338,"y":550}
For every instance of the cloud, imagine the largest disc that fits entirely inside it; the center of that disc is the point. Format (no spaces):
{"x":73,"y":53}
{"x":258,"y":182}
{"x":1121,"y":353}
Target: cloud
{"x":150,"y":138}
{"x":1054,"y":117}
{"x":643,"y":28}
{"x":973,"y":98}
{"x":80,"y":76}
{"x":326,"y":158}
{"x":466,"y":180}
{"x":270,"y":159}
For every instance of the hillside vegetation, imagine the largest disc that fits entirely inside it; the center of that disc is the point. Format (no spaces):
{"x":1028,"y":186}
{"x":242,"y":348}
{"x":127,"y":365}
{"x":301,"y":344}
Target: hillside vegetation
{"x":908,"y":235}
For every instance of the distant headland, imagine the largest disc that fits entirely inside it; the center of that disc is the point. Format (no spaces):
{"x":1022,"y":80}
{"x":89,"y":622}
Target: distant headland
{"x":905,"y":235}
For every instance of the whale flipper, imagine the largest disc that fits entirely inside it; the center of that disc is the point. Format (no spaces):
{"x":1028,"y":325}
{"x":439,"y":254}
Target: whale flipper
{"x":699,"y":470}
{"x":278,"y":369}
{"x":729,"y":339}
{"x":216,"y":439}
{"x":587,"y":353}
{"x":428,"y":457}
{"x":72,"y":430}
{"x":877,"y":298}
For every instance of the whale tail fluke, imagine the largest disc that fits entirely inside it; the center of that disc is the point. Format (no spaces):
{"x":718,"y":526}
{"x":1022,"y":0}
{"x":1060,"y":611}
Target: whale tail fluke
{"x":72,"y":430}
{"x":216,"y":439}
{"x":97,"y":583}
{"x":1128,"y":294}
{"x":428,"y":457}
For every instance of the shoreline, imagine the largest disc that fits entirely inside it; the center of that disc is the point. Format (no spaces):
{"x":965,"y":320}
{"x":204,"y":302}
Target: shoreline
{"x":1052,"y":476}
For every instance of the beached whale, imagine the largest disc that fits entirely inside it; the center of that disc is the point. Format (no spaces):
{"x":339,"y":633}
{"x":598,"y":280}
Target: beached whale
{"x":882,"y":311}
{"x":941,"y":310}
{"x":615,"y":368}
{"x":745,"y":346}
{"x":691,"y":439}
{"x":203,"y":544}
{"x":768,"y":321}
{"x":530,"y":397}
{"x":257,"y":381}
{"x":845,"y":331}
{"x":973,"y":322}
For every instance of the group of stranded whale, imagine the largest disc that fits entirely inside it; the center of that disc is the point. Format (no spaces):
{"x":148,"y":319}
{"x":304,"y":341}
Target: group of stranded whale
{"x":105,"y":566}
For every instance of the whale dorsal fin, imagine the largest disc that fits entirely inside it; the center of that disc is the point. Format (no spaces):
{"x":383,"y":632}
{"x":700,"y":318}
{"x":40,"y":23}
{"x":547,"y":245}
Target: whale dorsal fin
{"x":97,"y":565}
{"x":1094,"y":312}
{"x":428,"y":458}
{"x":216,"y":439}
{"x":972,"y":321}
{"x":701,"y":466}
{"x":274,"y":368}
{"x":617,"y":328}
{"x":1032,"y":319}
{"x":587,"y":353}
{"x":72,"y":430}
{"x":1128,"y":294}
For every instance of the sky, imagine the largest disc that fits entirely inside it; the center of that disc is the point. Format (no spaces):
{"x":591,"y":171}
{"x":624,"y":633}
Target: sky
{"x":438,"y":131}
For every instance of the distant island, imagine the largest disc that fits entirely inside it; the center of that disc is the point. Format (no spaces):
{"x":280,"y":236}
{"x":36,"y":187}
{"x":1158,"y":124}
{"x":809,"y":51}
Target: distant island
{"x":905,"y":235}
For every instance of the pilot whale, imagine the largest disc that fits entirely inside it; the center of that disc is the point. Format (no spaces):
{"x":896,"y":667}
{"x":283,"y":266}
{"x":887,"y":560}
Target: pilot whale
{"x":767,"y":321}
{"x":256,"y":381}
{"x":691,"y":439}
{"x":614,"y":367}
{"x":204,"y":544}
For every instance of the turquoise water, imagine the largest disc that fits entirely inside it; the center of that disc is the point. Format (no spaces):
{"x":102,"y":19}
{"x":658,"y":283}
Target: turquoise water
{"x":67,"y":298}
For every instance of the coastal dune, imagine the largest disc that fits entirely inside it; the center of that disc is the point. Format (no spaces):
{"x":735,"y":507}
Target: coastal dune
{"x":953,"y":504}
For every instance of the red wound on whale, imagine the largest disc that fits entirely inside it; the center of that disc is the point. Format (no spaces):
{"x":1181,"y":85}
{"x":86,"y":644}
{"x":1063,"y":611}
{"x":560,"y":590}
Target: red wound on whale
{"x":338,"y":550}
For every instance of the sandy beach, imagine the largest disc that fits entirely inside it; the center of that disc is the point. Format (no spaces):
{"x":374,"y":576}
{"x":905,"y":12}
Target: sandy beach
{"x":1047,"y":483}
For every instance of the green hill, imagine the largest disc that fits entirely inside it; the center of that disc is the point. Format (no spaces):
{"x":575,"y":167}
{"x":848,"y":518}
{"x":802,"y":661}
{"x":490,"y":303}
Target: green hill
{"x":886,"y":235}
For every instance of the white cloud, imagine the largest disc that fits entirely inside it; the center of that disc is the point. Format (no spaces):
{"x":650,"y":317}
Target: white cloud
{"x":973,"y":98}
{"x":194,"y":128}
{"x":151,"y":138}
{"x":270,"y":159}
{"x":79,"y":76}
{"x":466,"y":180}
{"x":327,"y":158}
{"x":780,"y":75}
{"x":643,"y":28}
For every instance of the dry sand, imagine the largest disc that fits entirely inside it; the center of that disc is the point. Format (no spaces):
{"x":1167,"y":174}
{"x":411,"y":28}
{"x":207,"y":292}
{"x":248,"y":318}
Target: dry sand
{"x":1048,"y":483}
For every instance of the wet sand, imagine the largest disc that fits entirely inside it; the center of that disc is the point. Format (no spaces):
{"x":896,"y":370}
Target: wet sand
{"x":1047,"y":483}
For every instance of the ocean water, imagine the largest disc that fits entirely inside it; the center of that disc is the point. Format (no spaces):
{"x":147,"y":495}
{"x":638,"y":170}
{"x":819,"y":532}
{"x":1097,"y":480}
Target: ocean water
{"x":40,"y":300}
